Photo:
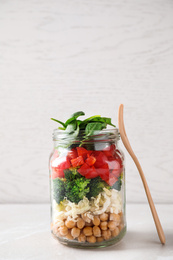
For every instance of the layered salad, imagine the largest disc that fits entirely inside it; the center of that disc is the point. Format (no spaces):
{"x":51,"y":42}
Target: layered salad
{"x":86,"y":175}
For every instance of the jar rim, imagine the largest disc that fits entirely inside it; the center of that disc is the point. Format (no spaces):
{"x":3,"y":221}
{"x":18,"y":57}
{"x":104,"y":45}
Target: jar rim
{"x":108,"y":133}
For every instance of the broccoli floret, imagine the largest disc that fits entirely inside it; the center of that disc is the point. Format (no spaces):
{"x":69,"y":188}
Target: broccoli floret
{"x":76,"y":189}
{"x":71,"y":175}
{"x":58,"y":189}
{"x":96,"y":186}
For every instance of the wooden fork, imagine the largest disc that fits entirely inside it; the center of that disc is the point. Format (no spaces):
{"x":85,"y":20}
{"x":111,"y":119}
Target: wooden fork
{"x":130,"y":151}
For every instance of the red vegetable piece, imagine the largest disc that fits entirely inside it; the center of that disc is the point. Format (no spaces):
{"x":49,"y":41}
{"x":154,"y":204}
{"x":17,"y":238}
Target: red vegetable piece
{"x":101,"y":159}
{"x":90,"y":160}
{"x":104,"y":172}
{"x":87,"y":171}
{"x":57,"y":173}
{"x":59,"y":165}
{"x":112,"y":179}
{"x":82,"y":152}
{"x":117,"y":169}
{"x":95,"y":153}
{"x":110,"y":150}
{"x":91,"y":173}
{"x":72,"y":154}
{"x":55,"y":155}
{"x":117,"y":165}
{"x":84,"y":169}
{"x":77,"y":161}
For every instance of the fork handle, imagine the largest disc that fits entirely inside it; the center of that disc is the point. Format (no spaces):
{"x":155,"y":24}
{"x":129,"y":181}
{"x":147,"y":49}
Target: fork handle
{"x":150,"y":201}
{"x":135,"y":159}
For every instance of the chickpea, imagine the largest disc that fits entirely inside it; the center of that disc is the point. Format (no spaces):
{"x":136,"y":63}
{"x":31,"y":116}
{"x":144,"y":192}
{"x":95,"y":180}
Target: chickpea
{"x":63,"y":231}
{"x":121,"y":217}
{"x":104,"y":217}
{"x":81,"y":238}
{"x":80,"y":223}
{"x":115,"y":232}
{"x":88,"y":224}
{"x":69,"y":236}
{"x":70,"y":223}
{"x":58,"y":234}
{"x":91,"y":239}
{"x":96,"y":231}
{"x":103,"y":225}
{"x":120,"y":214}
{"x":55,"y":229}
{"x":106,"y":234}
{"x":96,"y":221}
{"x":115,"y":217}
{"x":121,"y":226}
{"x":112,"y":225}
{"x":88,"y":231}
{"x":100,"y":239}
{"x":75,"y":232}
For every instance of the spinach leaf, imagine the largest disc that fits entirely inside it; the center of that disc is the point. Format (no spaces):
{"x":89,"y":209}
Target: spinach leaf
{"x":58,"y":121}
{"x":108,"y":121}
{"x":105,"y":120}
{"x":72,"y":129}
{"x":74,"y":117}
{"x":91,"y":127}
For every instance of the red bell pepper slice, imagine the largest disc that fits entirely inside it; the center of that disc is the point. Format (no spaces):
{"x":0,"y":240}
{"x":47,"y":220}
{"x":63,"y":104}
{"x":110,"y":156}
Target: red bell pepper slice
{"x":57,"y":173}
{"x":72,"y":154}
{"x":117,"y":169}
{"x":112,"y":179}
{"x":59,"y":165}
{"x":77,"y":161}
{"x":91,"y":173}
{"x":104,"y":172}
{"x":82,"y":152}
{"x":84,"y":169}
{"x":101,"y":159}
{"x":90,"y":160}
{"x":87,"y":171}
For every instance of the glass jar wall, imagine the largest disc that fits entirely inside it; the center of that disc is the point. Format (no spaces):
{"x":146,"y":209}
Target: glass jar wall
{"x":87,"y":187}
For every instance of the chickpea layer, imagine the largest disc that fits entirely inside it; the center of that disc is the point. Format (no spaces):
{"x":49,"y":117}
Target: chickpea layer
{"x":89,"y":228}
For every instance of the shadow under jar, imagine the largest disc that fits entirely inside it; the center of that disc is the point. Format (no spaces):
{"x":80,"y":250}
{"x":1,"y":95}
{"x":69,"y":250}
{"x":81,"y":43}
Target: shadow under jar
{"x":87,"y":189}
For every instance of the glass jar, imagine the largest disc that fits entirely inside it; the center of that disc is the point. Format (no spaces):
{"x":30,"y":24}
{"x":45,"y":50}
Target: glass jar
{"x":87,"y":188}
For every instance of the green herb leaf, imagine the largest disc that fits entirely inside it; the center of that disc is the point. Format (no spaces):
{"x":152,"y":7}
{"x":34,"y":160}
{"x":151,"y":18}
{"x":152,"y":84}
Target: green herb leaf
{"x":72,"y":128}
{"x":74,"y":117}
{"x":108,"y":121}
{"x":91,"y":127}
{"x":58,"y":121}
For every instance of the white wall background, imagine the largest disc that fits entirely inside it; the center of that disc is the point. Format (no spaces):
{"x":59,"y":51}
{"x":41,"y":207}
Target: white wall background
{"x":58,"y":57}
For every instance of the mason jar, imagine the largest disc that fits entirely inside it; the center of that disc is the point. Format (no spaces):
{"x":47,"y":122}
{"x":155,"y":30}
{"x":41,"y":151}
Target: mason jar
{"x":87,"y":189}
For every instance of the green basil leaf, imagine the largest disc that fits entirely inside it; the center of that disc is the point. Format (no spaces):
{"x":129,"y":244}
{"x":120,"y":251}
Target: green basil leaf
{"x":58,"y":121}
{"x":91,"y":127}
{"x":77,"y":114}
{"x":72,"y":129}
{"x":108,"y":121}
{"x":88,"y":120}
{"x":74,"y":116}
{"x":91,"y":118}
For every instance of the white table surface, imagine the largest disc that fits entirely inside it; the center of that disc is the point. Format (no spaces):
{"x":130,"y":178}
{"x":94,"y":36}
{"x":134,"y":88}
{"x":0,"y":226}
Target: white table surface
{"x":25,"y":234}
